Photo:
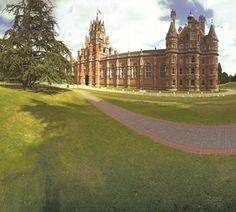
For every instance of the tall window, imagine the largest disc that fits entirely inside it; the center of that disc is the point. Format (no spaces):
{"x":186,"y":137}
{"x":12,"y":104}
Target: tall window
{"x":193,"y":60}
{"x":181,"y":46}
{"x":192,"y":82}
{"x":193,"y":71}
{"x":173,"y":60}
{"x":180,"y":70}
{"x":112,"y":71}
{"x":211,"y":60}
{"x":203,"y":71}
{"x":173,"y":82}
{"x":203,"y":82}
{"x":134,"y":73}
{"x":148,"y":70}
{"x":173,"y":70}
{"x":193,"y":36}
{"x":102,"y":72}
{"x":122,"y":71}
{"x":181,"y":82}
{"x":162,"y":71}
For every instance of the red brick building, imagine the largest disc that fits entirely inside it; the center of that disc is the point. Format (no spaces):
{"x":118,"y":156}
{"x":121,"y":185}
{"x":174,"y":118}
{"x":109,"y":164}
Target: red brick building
{"x":189,"y":62}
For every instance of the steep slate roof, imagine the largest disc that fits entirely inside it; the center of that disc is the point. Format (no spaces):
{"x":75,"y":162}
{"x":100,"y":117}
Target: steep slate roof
{"x":172,"y":31}
{"x":212,"y":33}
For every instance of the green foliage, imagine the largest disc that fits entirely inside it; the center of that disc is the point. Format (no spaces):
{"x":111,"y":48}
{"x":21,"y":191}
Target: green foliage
{"x":30,"y":52}
{"x":219,"y":73}
{"x":230,"y":85}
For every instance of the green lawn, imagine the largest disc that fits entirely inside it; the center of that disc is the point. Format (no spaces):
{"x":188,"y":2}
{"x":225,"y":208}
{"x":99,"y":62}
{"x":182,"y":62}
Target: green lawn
{"x":230,"y":85}
{"x":212,"y":111}
{"x":59,"y":153}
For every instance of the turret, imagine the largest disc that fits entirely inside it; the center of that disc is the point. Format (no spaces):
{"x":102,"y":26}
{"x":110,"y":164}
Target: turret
{"x":191,"y":19}
{"x":172,"y":35}
{"x":173,"y":16}
{"x":212,"y":33}
{"x":202,"y":21}
{"x":171,"y":54}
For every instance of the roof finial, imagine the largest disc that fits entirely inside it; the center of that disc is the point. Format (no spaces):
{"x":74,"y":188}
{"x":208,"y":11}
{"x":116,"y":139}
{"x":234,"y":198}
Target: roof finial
{"x":98,"y":12}
{"x":212,"y":21}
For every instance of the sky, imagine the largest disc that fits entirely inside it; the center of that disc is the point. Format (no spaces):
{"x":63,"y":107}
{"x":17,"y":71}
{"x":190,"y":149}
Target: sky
{"x":133,"y":25}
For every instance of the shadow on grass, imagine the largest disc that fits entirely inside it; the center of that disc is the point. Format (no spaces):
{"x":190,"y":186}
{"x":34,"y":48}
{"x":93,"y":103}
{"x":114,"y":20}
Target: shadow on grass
{"x":47,"y":183}
{"x":43,"y":89}
{"x":60,"y":138}
{"x":54,"y":181}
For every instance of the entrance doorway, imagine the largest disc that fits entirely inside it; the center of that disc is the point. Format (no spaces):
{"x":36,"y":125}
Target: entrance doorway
{"x":87,"y":80}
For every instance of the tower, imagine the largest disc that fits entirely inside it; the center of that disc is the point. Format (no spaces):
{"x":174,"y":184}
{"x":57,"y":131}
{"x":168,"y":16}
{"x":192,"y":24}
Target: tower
{"x":96,"y":47}
{"x":202,"y":21}
{"x":212,"y":52}
{"x":171,"y":54}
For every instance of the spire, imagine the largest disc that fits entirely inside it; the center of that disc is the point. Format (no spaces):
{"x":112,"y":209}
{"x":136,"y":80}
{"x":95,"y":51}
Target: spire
{"x":173,"y":15}
{"x":172,"y":31}
{"x":212,"y":33}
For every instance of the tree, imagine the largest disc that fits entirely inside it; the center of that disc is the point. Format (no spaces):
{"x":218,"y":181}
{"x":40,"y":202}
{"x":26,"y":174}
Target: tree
{"x":30,"y":51}
{"x":224,"y":78}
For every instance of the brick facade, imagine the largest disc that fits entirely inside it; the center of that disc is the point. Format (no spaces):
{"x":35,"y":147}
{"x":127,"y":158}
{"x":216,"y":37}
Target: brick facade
{"x":189,"y":62}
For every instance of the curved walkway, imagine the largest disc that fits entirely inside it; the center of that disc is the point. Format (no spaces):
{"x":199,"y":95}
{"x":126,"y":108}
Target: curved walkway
{"x":190,"y":138}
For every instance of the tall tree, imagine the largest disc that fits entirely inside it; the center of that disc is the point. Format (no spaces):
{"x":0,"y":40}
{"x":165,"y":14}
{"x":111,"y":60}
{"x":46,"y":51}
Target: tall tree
{"x":219,"y":73}
{"x":30,"y":51}
{"x":224,"y":78}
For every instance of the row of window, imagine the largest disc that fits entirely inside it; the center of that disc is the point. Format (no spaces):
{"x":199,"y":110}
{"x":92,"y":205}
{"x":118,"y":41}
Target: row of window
{"x":192,"y":82}
{"x":123,"y":70}
{"x":209,"y":60}
{"x":192,"y":71}
{"x":147,"y":71}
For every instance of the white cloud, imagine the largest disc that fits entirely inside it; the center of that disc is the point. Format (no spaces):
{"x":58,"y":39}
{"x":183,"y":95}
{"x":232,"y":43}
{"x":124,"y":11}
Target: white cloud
{"x":135,"y":24}
{"x":130,"y":24}
{"x":225,"y":22}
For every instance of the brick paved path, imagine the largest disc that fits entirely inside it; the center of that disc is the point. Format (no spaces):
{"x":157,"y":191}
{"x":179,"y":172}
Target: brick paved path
{"x":190,"y":138}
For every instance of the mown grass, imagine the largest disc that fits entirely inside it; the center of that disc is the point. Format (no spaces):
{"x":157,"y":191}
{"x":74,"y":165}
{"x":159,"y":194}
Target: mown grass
{"x":212,"y":111}
{"x":59,"y":153}
{"x":230,"y":85}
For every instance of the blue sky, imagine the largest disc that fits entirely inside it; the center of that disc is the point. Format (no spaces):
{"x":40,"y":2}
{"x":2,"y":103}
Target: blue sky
{"x":135,"y":24}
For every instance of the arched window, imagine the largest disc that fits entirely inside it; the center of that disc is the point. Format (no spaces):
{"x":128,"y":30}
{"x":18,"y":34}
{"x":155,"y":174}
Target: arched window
{"x":148,"y":70}
{"x":134,"y":73}
{"x":112,"y":71}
